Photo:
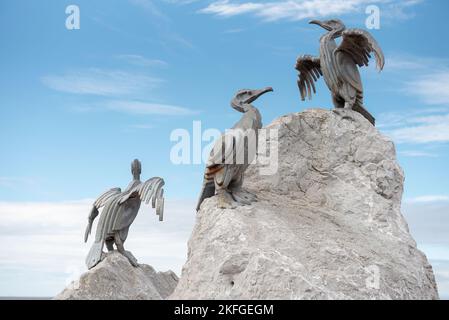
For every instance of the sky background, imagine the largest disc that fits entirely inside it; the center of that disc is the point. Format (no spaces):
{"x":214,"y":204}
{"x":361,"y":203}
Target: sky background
{"x":77,"y":106}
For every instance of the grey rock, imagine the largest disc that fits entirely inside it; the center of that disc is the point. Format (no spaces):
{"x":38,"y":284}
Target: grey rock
{"x":328,"y":225}
{"x":114,"y":278}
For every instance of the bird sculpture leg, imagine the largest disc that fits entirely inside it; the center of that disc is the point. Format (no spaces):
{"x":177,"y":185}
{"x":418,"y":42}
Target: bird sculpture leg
{"x":110,"y":244}
{"x":225,"y":199}
{"x":121,"y":249}
{"x":348,"y":105}
{"x":338,"y":102}
{"x":222,"y":180}
{"x":241,"y":196}
{"x":349,"y":95}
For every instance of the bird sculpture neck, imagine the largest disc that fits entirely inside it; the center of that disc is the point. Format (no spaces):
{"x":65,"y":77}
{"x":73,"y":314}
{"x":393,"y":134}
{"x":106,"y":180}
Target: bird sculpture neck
{"x":248,"y":107}
{"x":251,"y":112}
{"x":133,"y":184}
{"x":334,"y":34}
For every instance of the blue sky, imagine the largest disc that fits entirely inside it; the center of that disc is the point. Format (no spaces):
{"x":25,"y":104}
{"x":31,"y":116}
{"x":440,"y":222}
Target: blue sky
{"x":76,"y":106}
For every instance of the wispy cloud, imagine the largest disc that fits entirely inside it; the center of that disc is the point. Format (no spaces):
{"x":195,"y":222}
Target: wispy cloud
{"x":235,"y":30}
{"x":101,"y":82}
{"x":299,"y":9}
{"x":182,"y":2}
{"x":139,"y":107}
{"x":118,"y":86}
{"x":426,"y":83}
{"x":407,"y":62}
{"x":141,"y":61}
{"x":420,"y":130}
{"x":163,"y":24}
{"x":141,"y":126}
{"x":429,"y":124}
{"x":431,"y":88}
{"x":149,"y":6}
{"x":428,"y":199}
{"x":417,"y":154}
{"x":16,"y":182}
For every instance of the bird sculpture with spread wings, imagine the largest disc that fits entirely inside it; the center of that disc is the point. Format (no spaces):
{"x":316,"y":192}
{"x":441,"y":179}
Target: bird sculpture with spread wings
{"x":120,"y":210}
{"x":339,"y":65}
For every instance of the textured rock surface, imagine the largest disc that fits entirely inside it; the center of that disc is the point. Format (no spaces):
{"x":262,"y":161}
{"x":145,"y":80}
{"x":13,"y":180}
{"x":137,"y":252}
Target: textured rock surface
{"x":116,"y":279}
{"x":328,"y":225}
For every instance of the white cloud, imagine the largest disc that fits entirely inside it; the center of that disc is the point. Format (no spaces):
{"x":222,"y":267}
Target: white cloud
{"x":300,"y":9}
{"x":417,"y":126}
{"x":17,"y":182}
{"x":138,"y":107}
{"x":429,"y":224}
{"x":150,"y":7}
{"x":432,"y":88}
{"x":407,"y":62}
{"x":430,"y":124}
{"x":101,"y":82}
{"x":428,"y":199}
{"x":141,"y":61}
{"x":42,"y":243}
{"x":181,"y":1}
{"x":420,"y":130}
{"x":417,"y":154}
{"x":141,"y":126}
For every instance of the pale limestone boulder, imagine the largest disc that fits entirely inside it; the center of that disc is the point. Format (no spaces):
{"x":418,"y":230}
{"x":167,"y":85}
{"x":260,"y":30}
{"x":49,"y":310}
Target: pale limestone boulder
{"x":328,"y":224}
{"x":116,"y":279}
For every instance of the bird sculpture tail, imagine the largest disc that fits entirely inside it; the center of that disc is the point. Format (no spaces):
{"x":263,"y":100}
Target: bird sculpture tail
{"x":207,"y":192}
{"x":360,"y":109}
{"x":94,"y":255}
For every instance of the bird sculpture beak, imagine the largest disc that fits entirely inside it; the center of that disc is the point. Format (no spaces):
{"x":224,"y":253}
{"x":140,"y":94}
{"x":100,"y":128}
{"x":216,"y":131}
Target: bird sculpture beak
{"x":321,"y":24}
{"x":257,"y":93}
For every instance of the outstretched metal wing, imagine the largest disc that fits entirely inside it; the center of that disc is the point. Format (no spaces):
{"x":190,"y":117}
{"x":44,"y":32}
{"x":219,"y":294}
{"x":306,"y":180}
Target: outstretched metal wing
{"x":100,"y":202}
{"x":357,"y":46}
{"x":149,"y":191}
{"x":309,"y":69}
{"x":105,"y":197}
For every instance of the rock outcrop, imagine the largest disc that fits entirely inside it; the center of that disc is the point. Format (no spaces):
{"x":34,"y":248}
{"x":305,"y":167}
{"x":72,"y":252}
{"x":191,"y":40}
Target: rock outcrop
{"x":328,"y":224}
{"x":116,"y":279}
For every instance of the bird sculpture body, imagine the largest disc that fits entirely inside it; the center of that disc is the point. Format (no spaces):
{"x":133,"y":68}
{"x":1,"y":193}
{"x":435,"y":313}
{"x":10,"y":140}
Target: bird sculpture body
{"x":338,"y":64}
{"x":233,"y":152}
{"x":120,"y":210}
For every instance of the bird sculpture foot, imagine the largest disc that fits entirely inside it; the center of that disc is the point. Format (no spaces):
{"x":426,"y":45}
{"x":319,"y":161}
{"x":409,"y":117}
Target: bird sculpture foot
{"x":243,"y":197}
{"x":131,"y":258}
{"x":225,"y":200}
{"x":348,"y":106}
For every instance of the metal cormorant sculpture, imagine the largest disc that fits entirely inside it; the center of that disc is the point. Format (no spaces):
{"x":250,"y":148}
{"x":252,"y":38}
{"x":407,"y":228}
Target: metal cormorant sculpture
{"x":120,"y":210}
{"x":339,"y":65}
{"x":224,"y":173}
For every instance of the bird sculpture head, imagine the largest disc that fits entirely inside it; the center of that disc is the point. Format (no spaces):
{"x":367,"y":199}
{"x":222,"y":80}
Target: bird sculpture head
{"x":333,"y":25}
{"x":244,"y":98}
{"x":136,"y":169}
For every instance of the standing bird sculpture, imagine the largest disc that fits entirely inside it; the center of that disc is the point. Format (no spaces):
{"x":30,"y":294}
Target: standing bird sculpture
{"x":233,"y":152}
{"x":120,"y":210}
{"x":339,"y":65}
